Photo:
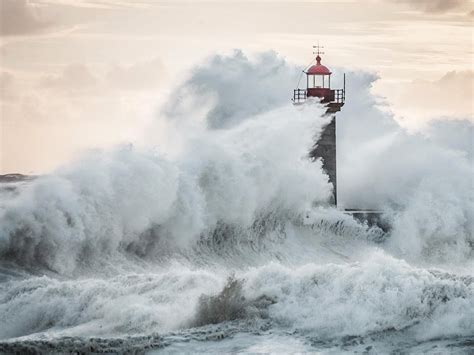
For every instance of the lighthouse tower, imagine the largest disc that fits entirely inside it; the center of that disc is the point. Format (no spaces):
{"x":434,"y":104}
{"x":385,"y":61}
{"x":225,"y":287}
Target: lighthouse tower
{"x":318,"y":85}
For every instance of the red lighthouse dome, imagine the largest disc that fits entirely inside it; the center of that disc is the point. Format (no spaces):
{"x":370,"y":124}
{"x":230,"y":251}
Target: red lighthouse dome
{"x":318,"y":68}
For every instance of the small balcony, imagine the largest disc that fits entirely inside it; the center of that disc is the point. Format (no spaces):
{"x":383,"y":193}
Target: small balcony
{"x":327,"y":96}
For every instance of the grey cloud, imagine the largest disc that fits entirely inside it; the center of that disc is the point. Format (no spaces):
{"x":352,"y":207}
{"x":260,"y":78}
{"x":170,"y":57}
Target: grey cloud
{"x":7,"y":86}
{"x":78,"y":79}
{"x":420,"y":101}
{"x":20,"y":17}
{"x":457,"y":79}
{"x":451,"y":93}
{"x":434,"y":6}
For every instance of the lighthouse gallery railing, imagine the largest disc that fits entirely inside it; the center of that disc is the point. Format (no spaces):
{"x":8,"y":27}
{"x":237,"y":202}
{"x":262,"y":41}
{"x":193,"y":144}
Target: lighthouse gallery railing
{"x":337,"y":96}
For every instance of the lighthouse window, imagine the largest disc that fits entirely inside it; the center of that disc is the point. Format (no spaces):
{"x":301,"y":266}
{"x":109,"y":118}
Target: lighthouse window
{"x":318,"y":81}
{"x":321,"y":81}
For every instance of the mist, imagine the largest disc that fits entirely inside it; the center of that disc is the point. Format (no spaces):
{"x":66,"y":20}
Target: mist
{"x":228,"y":212}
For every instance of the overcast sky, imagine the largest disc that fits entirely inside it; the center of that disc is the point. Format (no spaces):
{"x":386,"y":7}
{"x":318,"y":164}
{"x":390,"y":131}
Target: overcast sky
{"x":78,"y":74}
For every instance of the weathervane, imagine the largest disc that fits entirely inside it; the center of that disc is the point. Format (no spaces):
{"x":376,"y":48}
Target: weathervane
{"x":318,"y":49}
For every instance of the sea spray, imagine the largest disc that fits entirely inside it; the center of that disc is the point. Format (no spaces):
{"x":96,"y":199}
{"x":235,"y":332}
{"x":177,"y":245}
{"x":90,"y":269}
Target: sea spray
{"x":108,"y":203}
{"x":224,"y":232}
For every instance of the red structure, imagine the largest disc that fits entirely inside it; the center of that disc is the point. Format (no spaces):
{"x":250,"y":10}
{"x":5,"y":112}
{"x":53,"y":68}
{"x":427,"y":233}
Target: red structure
{"x":318,"y":84}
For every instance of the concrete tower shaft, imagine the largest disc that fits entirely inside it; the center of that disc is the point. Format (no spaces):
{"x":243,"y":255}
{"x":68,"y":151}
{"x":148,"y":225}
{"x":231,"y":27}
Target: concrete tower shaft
{"x":326,"y":150}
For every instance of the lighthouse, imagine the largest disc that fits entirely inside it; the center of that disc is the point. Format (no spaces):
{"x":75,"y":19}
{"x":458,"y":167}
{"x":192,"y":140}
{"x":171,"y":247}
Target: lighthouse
{"x":318,"y":85}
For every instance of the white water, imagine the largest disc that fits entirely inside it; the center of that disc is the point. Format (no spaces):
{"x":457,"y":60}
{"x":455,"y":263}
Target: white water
{"x":219,"y":239}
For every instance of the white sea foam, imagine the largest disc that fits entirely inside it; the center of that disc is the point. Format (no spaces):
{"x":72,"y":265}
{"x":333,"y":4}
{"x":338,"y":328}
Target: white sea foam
{"x":328,"y":300}
{"x":106,"y":202}
{"x":226,"y":222}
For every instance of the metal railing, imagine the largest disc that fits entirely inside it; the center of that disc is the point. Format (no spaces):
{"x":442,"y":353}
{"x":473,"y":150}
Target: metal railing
{"x":339,"y":96}
{"x":299,"y":95}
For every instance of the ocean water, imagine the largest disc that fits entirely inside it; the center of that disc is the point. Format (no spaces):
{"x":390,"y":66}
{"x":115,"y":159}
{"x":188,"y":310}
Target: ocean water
{"x":220,"y":239}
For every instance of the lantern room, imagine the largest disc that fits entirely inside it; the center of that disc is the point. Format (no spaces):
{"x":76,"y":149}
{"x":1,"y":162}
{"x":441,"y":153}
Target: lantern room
{"x":318,"y":84}
{"x":318,"y":81}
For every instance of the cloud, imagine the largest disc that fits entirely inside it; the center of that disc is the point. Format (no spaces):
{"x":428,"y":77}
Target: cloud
{"x":20,"y":17}
{"x":140,"y":76}
{"x":63,"y":113}
{"x":7,"y":86}
{"x":74,"y":78}
{"x":449,"y":97}
{"x":435,"y":6}
{"x":78,"y":78}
